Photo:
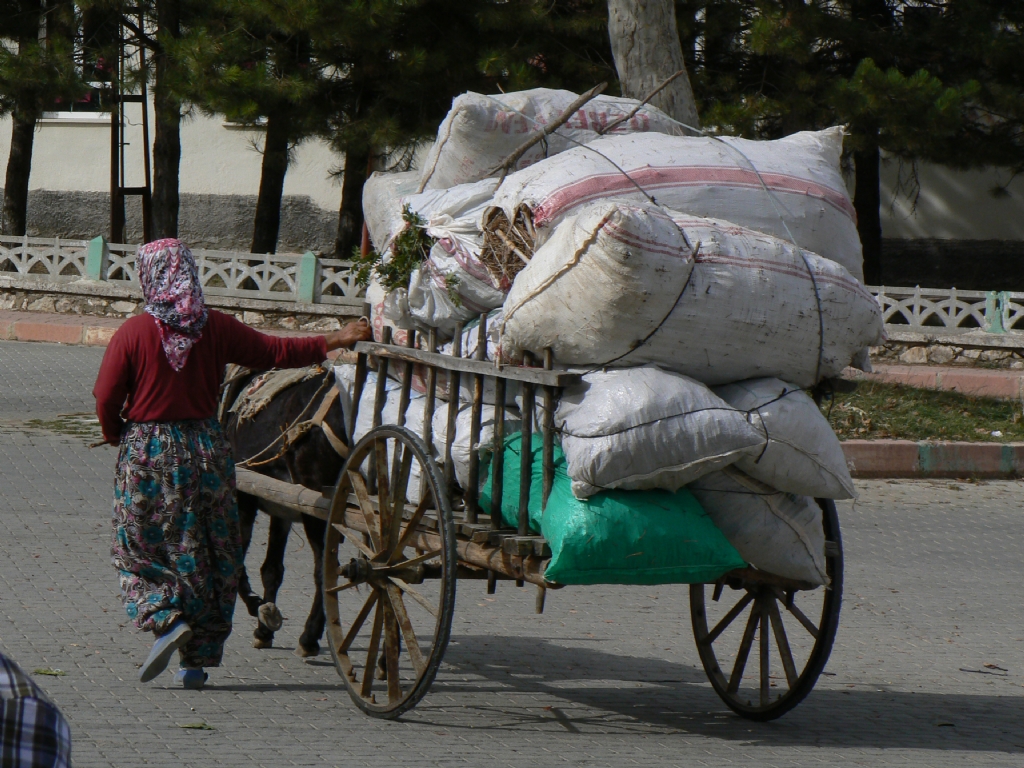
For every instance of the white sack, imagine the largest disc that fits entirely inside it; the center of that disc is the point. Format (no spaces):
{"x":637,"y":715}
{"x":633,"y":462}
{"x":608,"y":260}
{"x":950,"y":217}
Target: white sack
{"x":706,"y":177}
{"x":803,"y":454}
{"x":388,"y":309}
{"x":453,"y":285}
{"x":616,"y":284}
{"x":774,"y":532}
{"x":382,"y":203}
{"x":638,"y":428}
{"x":344,"y":379}
{"x":387,"y":196}
{"x":463,"y":429}
{"x":481,"y":131}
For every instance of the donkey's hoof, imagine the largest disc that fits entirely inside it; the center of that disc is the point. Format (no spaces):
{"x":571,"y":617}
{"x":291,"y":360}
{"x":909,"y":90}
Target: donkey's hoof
{"x":271,"y":617}
{"x":259,"y":642}
{"x":304,"y":653}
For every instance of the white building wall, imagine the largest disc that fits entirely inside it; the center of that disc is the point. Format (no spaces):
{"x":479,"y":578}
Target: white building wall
{"x":952,"y":204}
{"x":220,"y":159}
{"x":216,"y":158}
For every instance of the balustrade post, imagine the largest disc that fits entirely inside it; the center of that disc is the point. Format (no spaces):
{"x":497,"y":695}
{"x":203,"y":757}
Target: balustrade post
{"x":97,"y":259}
{"x":994,"y":312}
{"x":308,"y":276}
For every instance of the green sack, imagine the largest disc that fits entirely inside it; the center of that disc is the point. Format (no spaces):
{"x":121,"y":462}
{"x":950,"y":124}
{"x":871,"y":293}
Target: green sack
{"x":615,"y":537}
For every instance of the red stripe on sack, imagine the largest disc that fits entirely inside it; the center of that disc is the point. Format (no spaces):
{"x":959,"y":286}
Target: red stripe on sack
{"x":650,"y":246}
{"x":471,"y":263}
{"x":782,"y":269}
{"x":654,"y":178}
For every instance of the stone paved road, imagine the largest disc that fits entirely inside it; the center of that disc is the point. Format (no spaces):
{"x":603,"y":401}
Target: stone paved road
{"x":933,"y":595}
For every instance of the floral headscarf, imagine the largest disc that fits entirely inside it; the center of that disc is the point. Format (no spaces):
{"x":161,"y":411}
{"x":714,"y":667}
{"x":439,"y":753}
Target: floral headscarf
{"x":170,"y":285}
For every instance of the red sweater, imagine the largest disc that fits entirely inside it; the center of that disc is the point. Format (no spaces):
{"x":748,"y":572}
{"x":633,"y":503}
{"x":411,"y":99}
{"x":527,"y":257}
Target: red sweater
{"x":136,"y":379}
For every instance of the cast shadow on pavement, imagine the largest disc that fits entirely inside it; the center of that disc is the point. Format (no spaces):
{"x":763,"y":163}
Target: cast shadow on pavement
{"x":676,"y":698}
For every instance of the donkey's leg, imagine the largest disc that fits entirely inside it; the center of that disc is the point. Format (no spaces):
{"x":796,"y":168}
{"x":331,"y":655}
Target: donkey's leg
{"x":247,"y":511}
{"x":309,"y":641}
{"x":272,"y":575}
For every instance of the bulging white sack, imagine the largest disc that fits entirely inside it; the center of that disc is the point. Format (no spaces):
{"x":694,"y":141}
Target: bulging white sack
{"x":344,"y":380}
{"x":453,"y":285}
{"x":604,"y":278}
{"x":617,"y":284}
{"x":385,"y":195}
{"x":803,"y":454}
{"x":775,"y":532}
{"x":706,"y":177}
{"x":461,"y":446}
{"x":382,"y":203}
{"x":638,"y":428}
{"x":480,"y":131}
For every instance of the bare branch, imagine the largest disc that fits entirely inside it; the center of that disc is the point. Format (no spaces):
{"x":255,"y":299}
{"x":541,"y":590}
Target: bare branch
{"x":505,"y":165}
{"x":615,"y":123}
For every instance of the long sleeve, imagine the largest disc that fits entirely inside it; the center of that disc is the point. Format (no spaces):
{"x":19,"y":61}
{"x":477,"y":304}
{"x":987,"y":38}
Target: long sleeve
{"x":253,"y":349}
{"x":112,"y":387}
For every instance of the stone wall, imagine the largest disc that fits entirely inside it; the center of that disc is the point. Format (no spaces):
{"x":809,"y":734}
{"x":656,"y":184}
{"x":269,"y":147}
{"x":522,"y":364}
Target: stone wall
{"x":892,"y":353}
{"x":220,"y":222}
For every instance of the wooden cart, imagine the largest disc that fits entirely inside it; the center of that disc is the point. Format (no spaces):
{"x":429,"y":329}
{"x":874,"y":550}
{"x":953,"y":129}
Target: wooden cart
{"x":394,"y":553}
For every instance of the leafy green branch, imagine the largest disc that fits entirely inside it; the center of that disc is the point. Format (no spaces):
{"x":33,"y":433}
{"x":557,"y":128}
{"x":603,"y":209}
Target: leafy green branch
{"x":409,"y":250}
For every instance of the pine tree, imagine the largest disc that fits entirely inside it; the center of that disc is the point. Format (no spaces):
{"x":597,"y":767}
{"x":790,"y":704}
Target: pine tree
{"x":35,"y":73}
{"x":253,"y":62}
{"x":398,"y":65}
{"x":925,"y":80}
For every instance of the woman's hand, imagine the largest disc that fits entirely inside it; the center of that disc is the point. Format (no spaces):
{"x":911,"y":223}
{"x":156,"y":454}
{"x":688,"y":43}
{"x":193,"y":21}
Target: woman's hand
{"x":347,"y":337}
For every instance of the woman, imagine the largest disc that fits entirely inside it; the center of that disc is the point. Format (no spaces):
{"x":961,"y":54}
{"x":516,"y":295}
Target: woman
{"x":176,"y":539}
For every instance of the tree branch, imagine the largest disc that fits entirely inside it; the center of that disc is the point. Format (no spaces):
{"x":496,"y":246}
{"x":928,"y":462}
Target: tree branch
{"x":615,"y":123}
{"x":149,"y":42}
{"x":505,"y":165}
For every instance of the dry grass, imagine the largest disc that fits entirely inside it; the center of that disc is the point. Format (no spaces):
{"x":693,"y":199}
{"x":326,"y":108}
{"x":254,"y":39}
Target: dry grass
{"x":896,"y":411}
{"x":508,"y":246}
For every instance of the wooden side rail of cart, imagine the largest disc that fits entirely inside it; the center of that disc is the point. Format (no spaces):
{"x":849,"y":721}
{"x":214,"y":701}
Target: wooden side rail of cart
{"x":395,"y":549}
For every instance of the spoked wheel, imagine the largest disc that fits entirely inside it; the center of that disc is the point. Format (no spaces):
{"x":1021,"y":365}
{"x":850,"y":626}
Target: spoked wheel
{"x":788,"y":654}
{"x":389,"y":572}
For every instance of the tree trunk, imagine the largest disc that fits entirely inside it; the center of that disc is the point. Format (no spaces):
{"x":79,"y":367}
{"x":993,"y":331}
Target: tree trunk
{"x":19,"y":166}
{"x":867,"y":202}
{"x":646,"y":48}
{"x":23,"y":127}
{"x":350,"y":215}
{"x":167,"y":132}
{"x":267,"y":223}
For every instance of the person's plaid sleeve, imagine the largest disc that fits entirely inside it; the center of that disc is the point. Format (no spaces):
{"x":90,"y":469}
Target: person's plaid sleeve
{"x":33,"y":732}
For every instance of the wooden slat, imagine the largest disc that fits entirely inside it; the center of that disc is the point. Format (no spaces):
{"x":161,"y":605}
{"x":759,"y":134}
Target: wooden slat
{"x":464,"y":365}
{"x":526,"y":546}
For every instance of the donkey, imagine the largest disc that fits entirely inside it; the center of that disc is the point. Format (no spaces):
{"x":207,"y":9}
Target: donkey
{"x":310,"y":459}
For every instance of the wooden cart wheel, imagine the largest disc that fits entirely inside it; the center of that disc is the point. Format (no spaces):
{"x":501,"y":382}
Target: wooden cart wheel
{"x":389,"y":572}
{"x":788,"y":655}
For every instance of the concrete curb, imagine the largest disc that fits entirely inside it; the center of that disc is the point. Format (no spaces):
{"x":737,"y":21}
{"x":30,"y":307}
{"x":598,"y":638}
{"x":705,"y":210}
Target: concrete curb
{"x":60,"y":329}
{"x":909,"y":459}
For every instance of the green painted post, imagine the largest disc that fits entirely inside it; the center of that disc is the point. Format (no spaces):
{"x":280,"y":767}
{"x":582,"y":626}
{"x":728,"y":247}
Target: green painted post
{"x":925,"y":459}
{"x":994,"y":312}
{"x":97,"y":259}
{"x":308,"y":279}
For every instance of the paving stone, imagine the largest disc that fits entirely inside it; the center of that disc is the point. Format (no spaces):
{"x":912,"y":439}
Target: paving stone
{"x":607,"y":676}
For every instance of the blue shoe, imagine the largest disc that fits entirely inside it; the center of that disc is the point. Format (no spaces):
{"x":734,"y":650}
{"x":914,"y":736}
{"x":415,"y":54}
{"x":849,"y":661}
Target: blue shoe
{"x":165,"y":646}
{"x":191,"y":679}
